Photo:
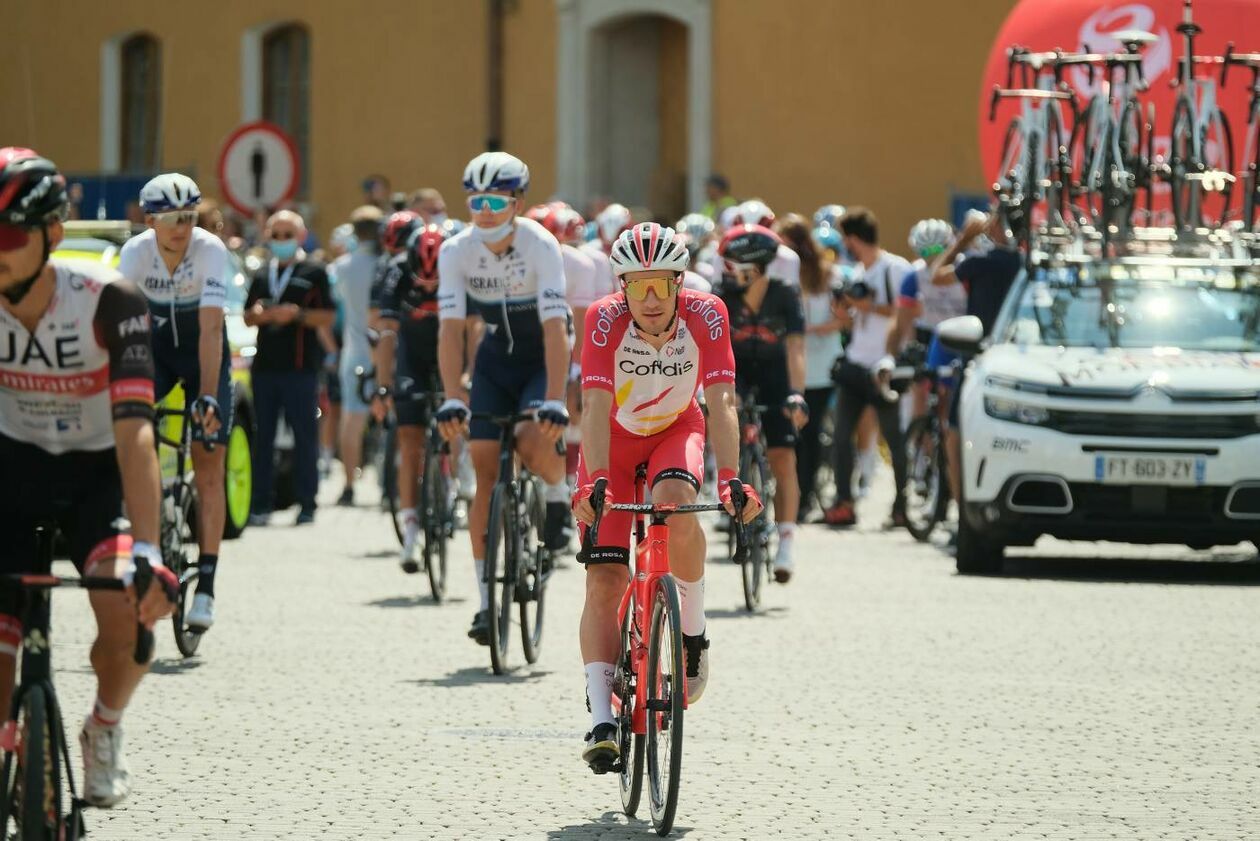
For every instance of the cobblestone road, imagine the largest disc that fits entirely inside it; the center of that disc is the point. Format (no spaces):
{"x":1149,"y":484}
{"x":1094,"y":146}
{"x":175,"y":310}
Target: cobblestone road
{"x":879,"y":695}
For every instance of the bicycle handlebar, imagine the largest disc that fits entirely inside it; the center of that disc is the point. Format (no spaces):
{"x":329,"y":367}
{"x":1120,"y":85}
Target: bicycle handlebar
{"x":143,"y":650}
{"x":738,"y":498}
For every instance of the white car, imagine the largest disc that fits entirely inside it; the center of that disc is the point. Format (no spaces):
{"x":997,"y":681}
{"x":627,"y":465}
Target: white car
{"x":1116,"y":400}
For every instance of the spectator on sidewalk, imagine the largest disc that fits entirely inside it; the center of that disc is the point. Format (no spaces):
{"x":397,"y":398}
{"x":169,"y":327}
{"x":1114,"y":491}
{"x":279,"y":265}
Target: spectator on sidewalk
{"x":289,"y":300}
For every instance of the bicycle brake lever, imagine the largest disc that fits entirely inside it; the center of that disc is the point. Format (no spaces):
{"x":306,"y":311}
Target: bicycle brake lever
{"x":142,"y":579}
{"x":739,"y":499}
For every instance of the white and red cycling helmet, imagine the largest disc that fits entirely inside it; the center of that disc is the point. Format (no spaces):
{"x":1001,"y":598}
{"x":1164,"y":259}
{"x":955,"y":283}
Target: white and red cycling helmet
{"x":754,"y":212}
{"x":649,"y":247}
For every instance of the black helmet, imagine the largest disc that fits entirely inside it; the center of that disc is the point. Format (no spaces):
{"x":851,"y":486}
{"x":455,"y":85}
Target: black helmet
{"x":32,"y":191}
{"x":749,"y":244}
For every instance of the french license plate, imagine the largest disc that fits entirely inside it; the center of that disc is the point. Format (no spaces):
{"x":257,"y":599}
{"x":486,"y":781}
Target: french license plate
{"x":1140,"y":469}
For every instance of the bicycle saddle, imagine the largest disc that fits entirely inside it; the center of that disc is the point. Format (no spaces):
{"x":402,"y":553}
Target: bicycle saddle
{"x":1136,"y":37}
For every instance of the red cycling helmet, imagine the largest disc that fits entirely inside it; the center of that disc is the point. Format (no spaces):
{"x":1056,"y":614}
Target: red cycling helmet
{"x":32,"y":191}
{"x":422,"y":251}
{"x":398,"y":229}
{"x":563,"y":222}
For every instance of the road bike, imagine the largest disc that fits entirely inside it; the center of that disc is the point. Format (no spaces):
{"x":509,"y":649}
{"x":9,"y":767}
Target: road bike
{"x":173,"y":429}
{"x":39,"y":800}
{"x":927,"y":487}
{"x":518,"y":564}
{"x":1201,"y":160}
{"x":1251,"y":149}
{"x":649,"y":684}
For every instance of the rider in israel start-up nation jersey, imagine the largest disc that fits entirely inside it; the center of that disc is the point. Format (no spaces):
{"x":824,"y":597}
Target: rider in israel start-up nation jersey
{"x":200,"y":280}
{"x":514,"y":293}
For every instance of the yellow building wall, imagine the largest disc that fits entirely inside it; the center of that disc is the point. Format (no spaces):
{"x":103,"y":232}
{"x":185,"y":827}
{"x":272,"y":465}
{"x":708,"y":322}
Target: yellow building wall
{"x":819,"y":101}
{"x":813,"y":101}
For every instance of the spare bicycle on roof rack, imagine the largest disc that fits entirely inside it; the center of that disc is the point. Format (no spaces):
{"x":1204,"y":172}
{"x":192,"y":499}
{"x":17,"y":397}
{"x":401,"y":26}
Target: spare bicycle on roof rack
{"x":1092,"y":173}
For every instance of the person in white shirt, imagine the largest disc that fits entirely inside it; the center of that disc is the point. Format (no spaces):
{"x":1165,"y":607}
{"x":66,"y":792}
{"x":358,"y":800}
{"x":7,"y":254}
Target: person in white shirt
{"x":871,"y":297}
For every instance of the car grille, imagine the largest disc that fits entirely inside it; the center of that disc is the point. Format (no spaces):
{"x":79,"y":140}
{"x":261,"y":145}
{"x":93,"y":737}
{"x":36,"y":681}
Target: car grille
{"x":1153,"y":504}
{"x":1128,"y":424}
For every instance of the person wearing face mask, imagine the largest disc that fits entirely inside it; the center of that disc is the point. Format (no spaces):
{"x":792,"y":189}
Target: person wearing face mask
{"x":289,"y":300}
{"x":356,"y":272}
{"x":183,"y":271}
{"x":508,"y":270}
{"x":428,"y":202}
{"x":768,"y":336}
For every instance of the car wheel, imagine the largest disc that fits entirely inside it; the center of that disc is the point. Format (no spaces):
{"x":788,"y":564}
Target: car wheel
{"x":238,"y":475}
{"x":976,"y":554}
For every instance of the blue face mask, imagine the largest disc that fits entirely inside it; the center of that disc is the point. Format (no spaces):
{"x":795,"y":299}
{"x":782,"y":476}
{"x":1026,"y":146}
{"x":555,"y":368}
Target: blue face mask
{"x":283,"y":249}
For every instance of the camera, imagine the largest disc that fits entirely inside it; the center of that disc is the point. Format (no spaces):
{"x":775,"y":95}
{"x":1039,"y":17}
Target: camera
{"x":857,"y":289}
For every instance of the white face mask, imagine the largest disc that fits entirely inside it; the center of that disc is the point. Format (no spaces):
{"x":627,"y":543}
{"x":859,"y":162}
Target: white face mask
{"x":494,"y":234}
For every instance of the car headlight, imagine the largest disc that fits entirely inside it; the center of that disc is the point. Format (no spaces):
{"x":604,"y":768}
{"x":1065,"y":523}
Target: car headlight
{"x":1015,"y":411}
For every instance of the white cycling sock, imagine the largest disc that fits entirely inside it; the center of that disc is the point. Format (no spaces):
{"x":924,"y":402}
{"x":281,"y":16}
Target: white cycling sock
{"x":787,"y":534}
{"x":483,"y":586}
{"x":599,"y":678}
{"x":559,"y":492}
{"x":691,"y":596}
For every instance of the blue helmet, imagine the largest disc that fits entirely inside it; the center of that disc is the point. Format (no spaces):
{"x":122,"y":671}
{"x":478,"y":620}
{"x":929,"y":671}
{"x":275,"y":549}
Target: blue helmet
{"x":829,"y":215}
{"x":828,"y":237}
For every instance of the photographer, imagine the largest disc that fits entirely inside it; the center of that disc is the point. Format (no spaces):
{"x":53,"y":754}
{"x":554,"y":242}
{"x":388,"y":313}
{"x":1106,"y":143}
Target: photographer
{"x":861,"y":374}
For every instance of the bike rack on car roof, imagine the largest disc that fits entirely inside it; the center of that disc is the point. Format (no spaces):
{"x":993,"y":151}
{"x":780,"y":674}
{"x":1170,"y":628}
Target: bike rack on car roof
{"x":1201,"y":248}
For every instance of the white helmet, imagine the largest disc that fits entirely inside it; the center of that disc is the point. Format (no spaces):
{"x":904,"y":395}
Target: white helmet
{"x":931,"y":236}
{"x":169,"y":191}
{"x":728,"y":218}
{"x":648,"y":246}
{"x":612,"y":220}
{"x":695,"y":229}
{"x":755,"y":212}
{"x":496,"y":171}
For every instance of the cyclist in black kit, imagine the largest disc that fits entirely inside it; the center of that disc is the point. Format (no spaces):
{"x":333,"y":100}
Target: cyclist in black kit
{"x":768,"y":337}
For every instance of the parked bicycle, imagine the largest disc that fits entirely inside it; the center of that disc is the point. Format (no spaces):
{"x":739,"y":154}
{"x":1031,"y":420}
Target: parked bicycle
{"x":927,"y":486}
{"x":649,"y":685}
{"x":1251,"y":148}
{"x":39,"y":800}
{"x":518,"y":564}
{"x":173,"y":429}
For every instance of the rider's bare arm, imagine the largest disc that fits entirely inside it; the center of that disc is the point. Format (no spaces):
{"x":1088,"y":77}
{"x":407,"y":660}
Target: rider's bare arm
{"x":385,"y":348}
{"x":123,"y":327}
{"x":723,"y":425}
{"x":451,"y":355}
{"x":597,"y":406}
{"x":556,"y":348}
{"x":795,"y":345}
{"x":210,"y":348}
{"x":473,"y":329}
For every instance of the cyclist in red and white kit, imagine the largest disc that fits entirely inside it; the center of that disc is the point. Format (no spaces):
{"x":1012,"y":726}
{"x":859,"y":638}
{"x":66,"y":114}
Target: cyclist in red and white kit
{"x":76,"y":442}
{"x":646,"y":350}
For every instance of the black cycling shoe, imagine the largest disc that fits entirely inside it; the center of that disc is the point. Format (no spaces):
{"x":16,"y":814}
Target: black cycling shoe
{"x":602,"y":751}
{"x":480,"y":630}
{"x":557,"y":527}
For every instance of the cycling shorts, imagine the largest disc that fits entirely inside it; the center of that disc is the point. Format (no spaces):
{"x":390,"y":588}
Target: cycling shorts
{"x":349,"y":395}
{"x":172,"y":364}
{"x":504,"y":385}
{"x":415,"y":373}
{"x":673,"y":453}
{"x":772,"y":394}
{"x":81,"y":492}
{"x":938,"y":357}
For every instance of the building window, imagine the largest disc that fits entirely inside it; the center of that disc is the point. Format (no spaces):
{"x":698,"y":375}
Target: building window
{"x":141,"y":84}
{"x":286,"y":84}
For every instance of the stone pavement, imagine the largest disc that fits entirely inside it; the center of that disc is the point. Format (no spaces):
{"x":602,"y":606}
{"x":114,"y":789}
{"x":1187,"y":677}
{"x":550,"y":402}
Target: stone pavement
{"x":879,"y":695}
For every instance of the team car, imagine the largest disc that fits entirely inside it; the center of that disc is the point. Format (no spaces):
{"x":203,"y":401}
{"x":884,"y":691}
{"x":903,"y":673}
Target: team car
{"x":1118,"y":399}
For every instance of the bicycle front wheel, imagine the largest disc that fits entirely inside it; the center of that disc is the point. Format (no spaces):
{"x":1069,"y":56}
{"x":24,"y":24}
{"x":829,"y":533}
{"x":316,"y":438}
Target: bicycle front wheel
{"x":630,"y":779}
{"x":500,"y":575}
{"x":176,"y":560}
{"x":535,"y":564}
{"x":666,"y":694}
{"x":756,"y":558}
{"x":435,"y":498}
{"x":924,"y":499}
{"x":31,"y":774}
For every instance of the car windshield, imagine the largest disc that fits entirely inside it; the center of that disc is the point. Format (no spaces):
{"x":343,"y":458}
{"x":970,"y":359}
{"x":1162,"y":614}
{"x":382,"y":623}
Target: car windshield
{"x":1203,"y":309}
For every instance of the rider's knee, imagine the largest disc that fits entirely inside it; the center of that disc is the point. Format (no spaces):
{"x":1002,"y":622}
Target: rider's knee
{"x":606,"y":582}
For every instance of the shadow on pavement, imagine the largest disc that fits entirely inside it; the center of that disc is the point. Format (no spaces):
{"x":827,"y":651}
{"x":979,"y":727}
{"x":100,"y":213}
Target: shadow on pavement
{"x":412,"y":601}
{"x":378,"y":553}
{"x":171,"y":666}
{"x":479,"y":675}
{"x":740,"y":613}
{"x":1139,"y":570}
{"x":613,"y":825}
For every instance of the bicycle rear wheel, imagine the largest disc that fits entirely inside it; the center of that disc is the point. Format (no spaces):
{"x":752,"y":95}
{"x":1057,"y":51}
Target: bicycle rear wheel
{"x":435,"y":497}
{"x":666,"y":693}
{"x":500,"y":575}
{"x":535,"y":569}
{"x":630,"y":778}
{"x":925,"y":500}
{"x":751,"y":570}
